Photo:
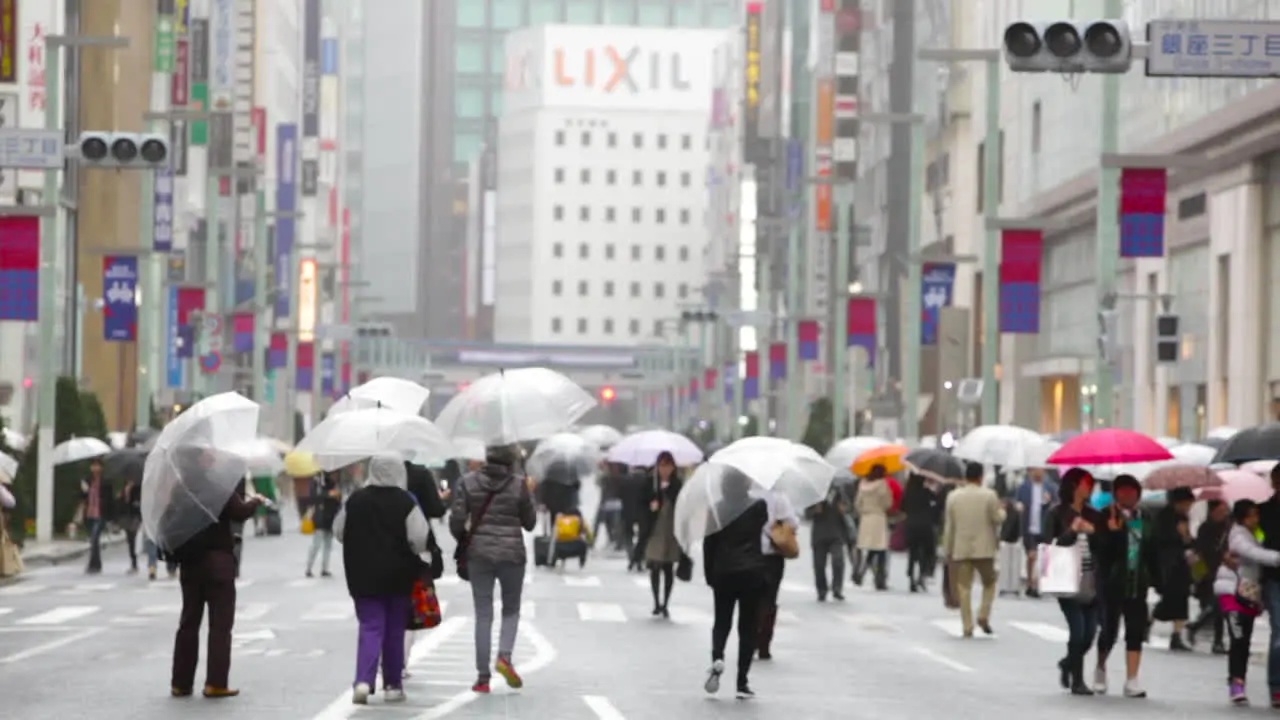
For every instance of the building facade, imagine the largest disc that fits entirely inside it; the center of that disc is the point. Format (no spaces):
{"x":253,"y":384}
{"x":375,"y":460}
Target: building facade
{"x":600,"y":210}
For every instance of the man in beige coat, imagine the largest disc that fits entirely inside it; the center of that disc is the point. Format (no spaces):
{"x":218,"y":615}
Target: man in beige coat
{"x":970,"y":541}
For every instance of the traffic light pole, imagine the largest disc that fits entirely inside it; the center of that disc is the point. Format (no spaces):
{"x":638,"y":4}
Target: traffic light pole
{"x":1106,"y":255}
{"x":991,"y":250}
{"x":795,"y":391}
{"x":911,"y":363}
{"x":845,"y":229}
{"x":262,"y":298}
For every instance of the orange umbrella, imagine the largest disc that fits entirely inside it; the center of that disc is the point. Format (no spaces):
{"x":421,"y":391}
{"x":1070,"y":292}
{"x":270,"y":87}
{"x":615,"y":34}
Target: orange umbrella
{"x":890,"y":456}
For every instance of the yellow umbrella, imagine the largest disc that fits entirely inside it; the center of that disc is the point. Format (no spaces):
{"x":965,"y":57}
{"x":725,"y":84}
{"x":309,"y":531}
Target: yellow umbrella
{"x":300,"y":465}
{"x":890,"y":456}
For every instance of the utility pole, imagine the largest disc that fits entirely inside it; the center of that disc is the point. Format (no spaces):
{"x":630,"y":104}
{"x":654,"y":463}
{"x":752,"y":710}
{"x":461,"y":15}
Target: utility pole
{"x":1107,"y":253}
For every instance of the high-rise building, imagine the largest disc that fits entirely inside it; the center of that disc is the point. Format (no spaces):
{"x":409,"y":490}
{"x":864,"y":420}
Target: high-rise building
{"x":463,"y":63}
{"x":602,"y":148}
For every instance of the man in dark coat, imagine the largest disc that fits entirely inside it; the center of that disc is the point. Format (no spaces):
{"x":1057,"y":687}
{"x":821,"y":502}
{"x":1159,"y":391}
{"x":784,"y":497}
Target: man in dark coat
{"x":422,"y":485}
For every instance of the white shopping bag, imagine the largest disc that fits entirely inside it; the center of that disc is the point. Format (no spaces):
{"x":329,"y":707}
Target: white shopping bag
{"x":1060,"y":567}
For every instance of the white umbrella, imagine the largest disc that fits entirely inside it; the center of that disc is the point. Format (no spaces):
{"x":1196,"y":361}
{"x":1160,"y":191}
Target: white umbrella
{"x":1223,"y":432}
{"x":603,"y":436}
{"x":642,"y":449}
{"x":77,"y":449}
{"x":790,"y":468}
{"x":189,"y":473}
{"x":8,"y":466}
{"x":405,"y":396}
{"x":14,"y":439}
{"x":1169,"y":442}
{"x":117,"y":440}
{"x":843,"y":453}
{"x":578,"y":452}
{"x":1008,"y":446}
{"x":261,"y":456}
{"x":472,"y":450}
{"x":346,"y":438}
{"x":514,"y":406}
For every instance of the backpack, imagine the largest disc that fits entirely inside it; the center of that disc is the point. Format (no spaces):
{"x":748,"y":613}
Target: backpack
{"x":568,"y":528}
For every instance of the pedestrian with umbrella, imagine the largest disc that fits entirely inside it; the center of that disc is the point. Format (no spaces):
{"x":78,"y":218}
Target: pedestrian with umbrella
{"x":875,"y":500}
{"x":189,"y":505}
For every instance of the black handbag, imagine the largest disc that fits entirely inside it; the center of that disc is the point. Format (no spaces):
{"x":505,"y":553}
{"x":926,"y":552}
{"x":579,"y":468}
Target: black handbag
{"x":684,"y":568}
{"x":435,"y":568}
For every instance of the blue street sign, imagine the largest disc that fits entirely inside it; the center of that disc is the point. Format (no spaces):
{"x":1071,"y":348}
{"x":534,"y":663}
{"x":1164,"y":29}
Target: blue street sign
{"x":1213,"y":48}
{"x":210,"y":363}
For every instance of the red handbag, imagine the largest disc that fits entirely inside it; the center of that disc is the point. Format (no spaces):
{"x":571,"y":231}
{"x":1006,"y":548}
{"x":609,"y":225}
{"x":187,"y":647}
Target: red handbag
{"x":425,"y":606}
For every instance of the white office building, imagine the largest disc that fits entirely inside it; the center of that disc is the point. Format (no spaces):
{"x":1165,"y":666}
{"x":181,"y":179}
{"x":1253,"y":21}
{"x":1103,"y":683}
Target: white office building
{"x":602,"y":159}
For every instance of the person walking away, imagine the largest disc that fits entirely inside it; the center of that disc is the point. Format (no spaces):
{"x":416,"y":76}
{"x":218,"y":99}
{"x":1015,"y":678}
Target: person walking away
{"x":919,"y":504}
{"x":734,"y":566}
{"x":1009,"y":562}
{"x":131,"y":519}
{"x":1269,"y":526}
{"x":326,"y":502}
{"x":95,"y":495}
{"x":1238,"y":587}
{"x":1071,"y":522}
{"x":635,"y":508}
{"x":382,"y":531}
{"x":1034,"y":497}
{"x":1173,"y":547}
{"x":973,"y":517}
{"x":492,"y":508}
{"x":610,"y":514}
{"x":1210,"y":547}
{"x":207,"y":574}
{"x":780,"y":513}
{"x":1125,"y":559}
{"x":432,"y":499}
{"x":873,"y":503}
{"x":10,"y":556}
{"x":829,"y":537}
{"x":658,"y":532}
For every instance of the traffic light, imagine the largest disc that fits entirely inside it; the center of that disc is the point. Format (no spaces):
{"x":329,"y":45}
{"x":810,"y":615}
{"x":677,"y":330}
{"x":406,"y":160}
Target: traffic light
{"x":373,"y":330}
{"x":698,"y":316}
{"x":124,"y":151}
{"x":1069,"y":46}
{"x":1108,"y":342}
{"x":1166,"y":338}
{"x":608,"y":394}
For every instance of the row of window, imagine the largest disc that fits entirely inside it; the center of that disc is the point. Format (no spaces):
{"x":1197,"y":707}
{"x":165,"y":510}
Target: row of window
{"x":584,"y":288}
{"x":637,"y":177}
{"x":611,"y":214}
{"x":512,"y":14}
{"x":607,"y":325}
{"x":637,"y":140}
{"x":610,"y":252}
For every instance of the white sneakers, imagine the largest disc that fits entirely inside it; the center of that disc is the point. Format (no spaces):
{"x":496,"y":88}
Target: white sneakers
{"x":712,"y":686}
{"x":361,"y":692}
{"x":393,"y":695}
{"x":1100,"y":681}
{"x":1133,"y":690}
{"x":1131,"y":687}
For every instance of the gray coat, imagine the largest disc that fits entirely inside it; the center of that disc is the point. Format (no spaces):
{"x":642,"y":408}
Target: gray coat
{"x":496,"y":537}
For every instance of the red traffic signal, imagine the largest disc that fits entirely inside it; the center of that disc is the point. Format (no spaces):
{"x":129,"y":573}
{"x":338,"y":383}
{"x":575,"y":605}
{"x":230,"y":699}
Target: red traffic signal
{"x":608,"y":394}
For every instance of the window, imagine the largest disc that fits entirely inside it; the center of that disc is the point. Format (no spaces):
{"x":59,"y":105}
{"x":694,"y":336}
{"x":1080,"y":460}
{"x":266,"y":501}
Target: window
{"x":682,"y":291}
{"x":556,"y":325}
{"x":686,"y":142}
{"x":584,"y":251}
{"x":634,"y":326}
{"x":635,"y":289}
{"x":637,"y":177}
{"x":657,"y":328}
{"x":684,"y":216}
{"x":637,"y":141}
{"x":662,"y":141}
{"x":1035,"y":126}
{"x":659,"y":290}
{"x":507,"y":14}
{"x":471,"y":15}
{"x":586,"y":139}
{"x":584,"y":176}
{"x":608,"y":326}
{"x":608,"y":288}
{"x":660,"y":216}
{"x":636,"y":251}
{"x":660,"y":253}
{"x":558,"y":212}
{"x":610,"y":214}
{"x":559,"y":137}
{"x":635,"y":215}
{"x":582,"y":326}
{"x":557,"y":250}
{"x":557,"y":288}
{"x":469,"y":102}
{"x":559,"y":175}
{"x":683,"y":254}
{"x":582,"y":288}
{"x":610,"y":177}
{"x":469,"y":57}
{"x":608,"y":251}
{"x":662,"y":179}
{"x":686,"y":179}
{"x":612,"y":139}
{"x":584,"y":213}
{"x":544,"y":13}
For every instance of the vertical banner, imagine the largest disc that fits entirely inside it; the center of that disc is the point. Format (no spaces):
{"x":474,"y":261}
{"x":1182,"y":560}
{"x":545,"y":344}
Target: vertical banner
{"x":327,"y":366}
{"x":172,"y":357}
{"x":20,"y":268}
{"x":243,"y":325}
{"x":809,"y":332}
{"x":730,"y":381}
{"x":8,"y":41}
{"x":751,"y":383}
{"x":163,"y":43}
{"x":119,"y":298}
{"x":844,"y":147}
{"x":346,"y":377}
{"x":311,"y":69}
{"x":198,"y":93}
{"x":278,"y":353}
{"x":693,"y":389}
{"x":824,"y":217}
{"x":329,"y":53}
{"x":861,"y":330}
{"x":778,"y":361}
{"x":180,"y":82}
{"x":162,"y":211}
{"x":709,"y":377}
{"x":222,"y":55}
{"x":190,"y":301}
{"x":937,"y":282}
{"x":286,"y":202}
{"x":306,"y":366}
{"x":751,"y":84}
{"x":1021,"y":253}
{"x":1143,"y":192}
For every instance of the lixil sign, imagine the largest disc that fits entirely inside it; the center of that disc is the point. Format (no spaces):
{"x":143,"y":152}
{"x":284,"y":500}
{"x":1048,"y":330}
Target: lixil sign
{"x":612,"y":69}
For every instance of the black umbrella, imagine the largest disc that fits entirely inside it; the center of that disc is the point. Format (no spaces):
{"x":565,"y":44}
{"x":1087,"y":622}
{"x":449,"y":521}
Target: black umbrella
{"x":141,"y":437}
{"x":940,"y":464}
{"x":1256,"y":443}
{"x":125,"y":464}
{"x":1213,"y":442}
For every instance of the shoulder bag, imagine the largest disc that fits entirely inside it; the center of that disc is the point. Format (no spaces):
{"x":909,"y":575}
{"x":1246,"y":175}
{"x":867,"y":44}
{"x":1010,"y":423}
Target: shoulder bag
{"x":784,"y":539}
{"x":464,"y":542}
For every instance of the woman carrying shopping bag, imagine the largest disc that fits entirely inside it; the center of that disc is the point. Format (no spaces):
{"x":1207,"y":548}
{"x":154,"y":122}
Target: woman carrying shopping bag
{"x":1067,"y":571}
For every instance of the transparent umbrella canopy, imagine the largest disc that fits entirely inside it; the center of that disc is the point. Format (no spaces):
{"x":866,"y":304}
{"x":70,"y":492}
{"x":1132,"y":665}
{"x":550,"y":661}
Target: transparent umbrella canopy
{"x":513,"y":406}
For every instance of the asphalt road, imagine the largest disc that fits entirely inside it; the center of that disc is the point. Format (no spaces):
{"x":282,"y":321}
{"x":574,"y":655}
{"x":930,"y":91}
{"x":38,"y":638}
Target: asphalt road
{"x":588,"y":649}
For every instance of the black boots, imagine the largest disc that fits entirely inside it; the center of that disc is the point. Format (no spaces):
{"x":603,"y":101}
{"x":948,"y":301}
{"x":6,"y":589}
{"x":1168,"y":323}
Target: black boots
{"x":764,"y":632}
{"x":1071,"y":675}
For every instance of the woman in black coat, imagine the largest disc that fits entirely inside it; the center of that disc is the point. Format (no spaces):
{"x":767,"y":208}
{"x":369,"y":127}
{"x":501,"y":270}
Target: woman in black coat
{"x":920,"y":504}
{"x":1172,"y":540}
{"x":1070,"y":520}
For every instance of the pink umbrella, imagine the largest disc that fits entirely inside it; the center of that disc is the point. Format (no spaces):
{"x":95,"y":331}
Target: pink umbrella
{"x":1100,"y":447}
{"x":1238,"y":485}
{"x":1259,"y":467}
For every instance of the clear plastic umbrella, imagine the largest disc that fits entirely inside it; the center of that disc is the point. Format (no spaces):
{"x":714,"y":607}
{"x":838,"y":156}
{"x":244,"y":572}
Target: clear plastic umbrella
{"x":349,"y":437}
{"x":1005,"y":445}
{"x":514,"y":406}
{"x":393,"y":393}
{"x":713,"y":497}
{"x":77,"y":449}
{"x":190,"y":473}
{"x":8,"y":465}
{"x":643,"y":448}
{"x":602,"y":436}
{"x":777,"y":464}
{"x":13,"y":439}
{"x":575,"y":451}
{"x":843,"y":453}
{"x":261,"y":456}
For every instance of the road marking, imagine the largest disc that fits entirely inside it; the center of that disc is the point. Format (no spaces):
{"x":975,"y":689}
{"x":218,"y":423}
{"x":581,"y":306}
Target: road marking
{"x":51,"y":645}
{"x":869,"y":622}
{"x":954,"y":628}
{"x":640,"y":582}
{"x":788,"y":616}
{"x":1044,"y":631}
{"x":545,"y":654}
{"x":587,"y":581}
{"x":943,"y":660}
{"x":329,"y":612}
{"x":691,"y":616}
{"x":794,"y":587}
{"x":252,"y":636}
{"x":252,"y":611}
{"x":243,"y":583}
{"x":601,"y":612}
{"x":86,"y":588}
{"x":601,"y":706}
{"x":528,"y":610}
{"x":153,"y":610}
{"x":448,"y":581}
{"x":59,"y":615}
{"x":5,"y":610}
{"x":22,"y":589}
{"x":303,"y":583}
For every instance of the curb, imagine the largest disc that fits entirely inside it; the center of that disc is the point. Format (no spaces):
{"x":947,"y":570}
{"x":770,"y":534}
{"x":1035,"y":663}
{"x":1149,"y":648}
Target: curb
{"x":62,"y":556}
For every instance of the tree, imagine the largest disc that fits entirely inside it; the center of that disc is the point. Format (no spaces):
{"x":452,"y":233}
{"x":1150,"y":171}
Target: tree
{"x":156,"y":422}
{"x":299,"y":428}
{"x":818,"y":431}
{"x":69,"y":416}
{"x":752,"y":428}
{"x":93,"y":419}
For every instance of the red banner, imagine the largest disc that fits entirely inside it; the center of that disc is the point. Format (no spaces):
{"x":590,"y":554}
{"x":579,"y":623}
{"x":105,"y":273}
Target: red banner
{"x":861,"y":326}
{"x":179,"y":84}
{"x":709,"y":378}
{"x":189,"y":300}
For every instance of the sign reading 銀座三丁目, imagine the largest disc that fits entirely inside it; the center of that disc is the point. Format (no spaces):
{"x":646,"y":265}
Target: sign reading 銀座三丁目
{"x":1213,"y":48}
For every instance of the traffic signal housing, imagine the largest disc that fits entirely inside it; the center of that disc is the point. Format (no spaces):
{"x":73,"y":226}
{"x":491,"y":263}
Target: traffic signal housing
{"x":1108,"y":341}
{"x":124,"y":151}
{"x":1069,"y":46}
{"x":1166,"y":338}
{"x":698,"y":316}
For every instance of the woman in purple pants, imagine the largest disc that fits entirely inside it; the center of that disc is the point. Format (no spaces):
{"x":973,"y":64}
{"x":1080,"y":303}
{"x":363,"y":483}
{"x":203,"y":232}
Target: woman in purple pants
{"x":382,"y":531}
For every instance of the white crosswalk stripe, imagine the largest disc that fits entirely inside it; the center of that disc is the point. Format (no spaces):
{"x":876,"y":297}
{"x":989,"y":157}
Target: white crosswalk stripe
{"x":329,"y":612}
{"x":527,"y":609}
{"x":1046,"y":631}
{"x":601,"y":612}
{"x":87,"y":588}
{"x":22,"y":589}
{"x":954,"y":628}
{"x":59,"y":615}
{"x":581,"y":581}
{"x":5,"y":610}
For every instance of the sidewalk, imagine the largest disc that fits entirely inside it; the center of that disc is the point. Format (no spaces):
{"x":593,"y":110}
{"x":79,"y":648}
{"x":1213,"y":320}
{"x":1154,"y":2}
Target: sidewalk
{"x":60,"y":551}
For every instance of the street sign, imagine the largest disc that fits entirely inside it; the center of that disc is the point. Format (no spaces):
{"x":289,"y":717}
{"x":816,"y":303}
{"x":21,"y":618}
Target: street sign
{"x":31,"y":149}
{"x":210,"y":363}
{"x":1213,"y":48}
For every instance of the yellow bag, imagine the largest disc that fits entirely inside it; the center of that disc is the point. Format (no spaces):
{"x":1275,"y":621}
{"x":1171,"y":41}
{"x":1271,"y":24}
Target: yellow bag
{"x":308,"y":523}
{"x":568,"y":528}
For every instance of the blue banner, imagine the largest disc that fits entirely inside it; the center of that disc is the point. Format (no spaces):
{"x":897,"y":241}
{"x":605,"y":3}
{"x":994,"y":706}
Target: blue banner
{"x":286,"y":202}
{"x":327,"y":373}
{"x":245,"y":287}
{"x":795,"y":164}
{"x":119,"y":298}
{"x":937,"y":281}
{"x":329,"y":56}
{"x":162,"y":213}
{"x":172,"y":361}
